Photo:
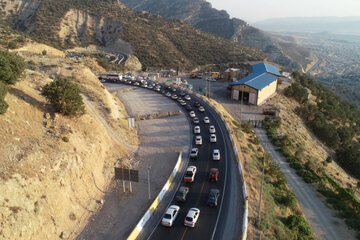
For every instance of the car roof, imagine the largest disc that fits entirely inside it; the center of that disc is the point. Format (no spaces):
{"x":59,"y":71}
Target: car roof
{"x":171,"y":209}
{"x":198,"y":137}
{"x":182,"y":188}
{"x":216,"y":150}
{"x":197,"y":126}
{"x":212,"y":126}
{"x":214,"y":190}
{"x":194,"y":149}
{"x":190,"y":168}
{"x":214,"y":170}
{"x":193,"y":210}
{"x":212,"y":135}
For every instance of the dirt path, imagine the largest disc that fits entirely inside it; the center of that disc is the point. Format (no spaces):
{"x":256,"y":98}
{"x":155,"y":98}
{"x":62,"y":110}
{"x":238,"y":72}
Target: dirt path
{"x":322,"y":221}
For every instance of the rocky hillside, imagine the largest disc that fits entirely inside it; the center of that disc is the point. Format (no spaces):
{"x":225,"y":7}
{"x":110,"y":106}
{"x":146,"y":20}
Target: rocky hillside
{"x":156,"y":42}
{"x":54,"y":171}
{"x":200,"y":14}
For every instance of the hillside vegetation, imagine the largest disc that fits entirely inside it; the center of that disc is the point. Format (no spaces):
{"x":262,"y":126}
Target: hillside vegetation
{"x":54,"y":170}
{"x":157,"y":42}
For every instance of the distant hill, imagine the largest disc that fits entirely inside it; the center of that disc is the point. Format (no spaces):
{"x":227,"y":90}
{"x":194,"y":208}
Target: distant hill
{"x":200,"y":14}
{"x":157,"y":42}
{"x":334,"y":25}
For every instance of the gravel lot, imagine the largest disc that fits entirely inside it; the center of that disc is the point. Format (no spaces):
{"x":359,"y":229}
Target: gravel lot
{"x":160,"y":142}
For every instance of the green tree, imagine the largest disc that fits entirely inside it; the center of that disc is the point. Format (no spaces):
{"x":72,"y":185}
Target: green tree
{"x":12,"y":45}
{"x":11,"y":67}
{"x":3,"y":105}
{"x":65,"y":96}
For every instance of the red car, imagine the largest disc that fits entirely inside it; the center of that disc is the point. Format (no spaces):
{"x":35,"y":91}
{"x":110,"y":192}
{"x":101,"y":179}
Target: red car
{"x":214,"y":174}
{"x":197,"y":104}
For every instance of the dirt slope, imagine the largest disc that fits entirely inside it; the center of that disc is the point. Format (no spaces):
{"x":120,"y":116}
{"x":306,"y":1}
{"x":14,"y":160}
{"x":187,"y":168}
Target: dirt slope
{"x":49,"y":186}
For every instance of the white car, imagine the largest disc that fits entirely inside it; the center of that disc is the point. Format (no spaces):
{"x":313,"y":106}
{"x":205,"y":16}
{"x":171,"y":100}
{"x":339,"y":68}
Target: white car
{"x":192,"y":114}
{"x":212,"y":138}
{"x":201,"y":109}
{"x":190,"y":174}
{"x":216,"y":154}
{"x":196,"y":130}
{"x":194,"y":152}
{"x":198,"y":140}
{"x":170,"y":215}
{"x":187,"y":97}
{"x":174,"y":96}
{"x":191,"y":217}
{"x":182,"y":103}
{"x":196,"y":121}
{"x":168,"y":94}
{"x":206,"y":120}
{"x":212,"y":129}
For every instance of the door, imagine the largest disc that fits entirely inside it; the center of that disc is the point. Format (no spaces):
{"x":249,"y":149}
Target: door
{"x":235,"y":94}
{"x":252,"y":98}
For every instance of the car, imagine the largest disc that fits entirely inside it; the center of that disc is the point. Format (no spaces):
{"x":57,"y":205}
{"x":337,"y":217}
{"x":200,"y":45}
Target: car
{"x":187,"y":97}
{"x":190,"y":174}
{"x":199,"y":76}
{"x":181,"y":194}
{"x":201,"y":109}
{"x":170,"y":215}
{"x":197,"y":104}
{"x":182,"y":93}
{"x":211,"y":79}
{"x":136,"y":84}
{"x":150,"y":87}
{"x":212,"y":138}
{"x":182,"y":103}
{"x":168,"y":94}
{"x":214,"y":174}
{"x":163,"y":91}
{"x":198,"y":140}
{"x":179,"y":99}
{"x":196,"y":121}
{"x":188,"y":108}
{"x":214,"y":195}
{"x":173,"y":89}
{"x":206,"y":120}
{"x":216,"y":154}
{"x":192,"y":114}
{"x":196,"y":130}
{"x":194,"y":152}
{"x":174,"y":96}
{"x":212,"y":129}
{"x":192,"y":217}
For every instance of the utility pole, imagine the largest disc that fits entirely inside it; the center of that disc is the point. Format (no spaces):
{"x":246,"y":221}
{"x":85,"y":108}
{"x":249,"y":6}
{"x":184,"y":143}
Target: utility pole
{"x":261,"y":188}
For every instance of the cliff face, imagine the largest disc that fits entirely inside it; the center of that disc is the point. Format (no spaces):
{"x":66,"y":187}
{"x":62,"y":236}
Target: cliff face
{"x":155,"y":41}
{"x":200,"y":14}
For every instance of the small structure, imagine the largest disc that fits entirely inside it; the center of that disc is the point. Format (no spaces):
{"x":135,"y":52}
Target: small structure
{"x":168,"y":73}
{"x":232,"y":73}
{"x":258,"y":86}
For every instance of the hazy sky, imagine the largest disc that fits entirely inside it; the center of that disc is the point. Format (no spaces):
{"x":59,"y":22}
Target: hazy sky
{"x":256,"y":10}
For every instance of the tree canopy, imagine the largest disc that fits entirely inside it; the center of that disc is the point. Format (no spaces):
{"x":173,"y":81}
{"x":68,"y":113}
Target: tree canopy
{"x":65,"y":96}
{"x":11,"y":67}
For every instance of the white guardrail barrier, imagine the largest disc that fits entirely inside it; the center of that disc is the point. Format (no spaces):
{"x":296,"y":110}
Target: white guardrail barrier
{"x":137,"y":230}
{"x":135,"y":233}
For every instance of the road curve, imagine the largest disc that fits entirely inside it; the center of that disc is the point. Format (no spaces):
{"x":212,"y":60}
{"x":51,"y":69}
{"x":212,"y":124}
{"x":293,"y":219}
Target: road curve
{"x":222,"y":222}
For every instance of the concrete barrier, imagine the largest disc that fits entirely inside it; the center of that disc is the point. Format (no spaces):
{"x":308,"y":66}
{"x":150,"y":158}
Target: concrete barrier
{"x":137,"y":230}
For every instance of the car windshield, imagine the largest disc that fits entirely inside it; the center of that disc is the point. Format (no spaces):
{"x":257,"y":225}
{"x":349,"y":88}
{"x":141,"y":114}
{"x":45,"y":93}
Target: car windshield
{"x":167,"y":216}
{"x":212,"y":198}
{"x":189,"y":219}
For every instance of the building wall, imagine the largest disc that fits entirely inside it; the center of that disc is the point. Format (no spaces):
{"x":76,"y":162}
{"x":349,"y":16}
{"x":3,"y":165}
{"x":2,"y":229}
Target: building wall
{"x":266,"y":92}
{"x":242,"y":88}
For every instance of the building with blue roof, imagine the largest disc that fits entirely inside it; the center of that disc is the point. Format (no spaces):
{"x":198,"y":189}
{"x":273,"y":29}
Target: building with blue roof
{"x":257,"y":87}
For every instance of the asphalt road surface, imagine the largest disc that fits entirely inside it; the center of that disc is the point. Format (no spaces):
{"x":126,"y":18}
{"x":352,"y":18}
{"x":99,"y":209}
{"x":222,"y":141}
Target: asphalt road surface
{"x":223,"y":221}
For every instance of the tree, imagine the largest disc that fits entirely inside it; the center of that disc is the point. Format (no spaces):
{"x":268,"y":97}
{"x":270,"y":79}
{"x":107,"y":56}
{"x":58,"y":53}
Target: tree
{"x":65,"y":96}
{"x":11,"y":67}
{"x":3,"y":105}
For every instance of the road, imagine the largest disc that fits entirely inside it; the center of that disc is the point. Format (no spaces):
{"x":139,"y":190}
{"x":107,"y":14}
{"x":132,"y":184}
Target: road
{"x":222,"y":222}
{"x":323,"y":224}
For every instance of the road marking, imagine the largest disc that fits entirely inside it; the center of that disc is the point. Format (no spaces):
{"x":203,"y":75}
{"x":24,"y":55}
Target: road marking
{"x":182,"y":237}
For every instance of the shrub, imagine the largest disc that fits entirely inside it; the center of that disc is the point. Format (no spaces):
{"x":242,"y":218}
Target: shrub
{"x":12,"y":45}
{"x":65,"y":96}
{"x":329,"y":159}
{"x":297,"y":223}
{"x":246,"y":127}
{"x":44,"y":53}
{"x":11,"y":67}
{"x":3,"y":106}
{"x":65,"y":139}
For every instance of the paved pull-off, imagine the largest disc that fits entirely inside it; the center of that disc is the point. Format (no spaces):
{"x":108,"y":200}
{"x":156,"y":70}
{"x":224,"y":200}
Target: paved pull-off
{"x":322,"y":221}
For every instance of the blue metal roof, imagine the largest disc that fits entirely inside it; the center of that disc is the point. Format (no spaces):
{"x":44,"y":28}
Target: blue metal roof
{"x":264,"y":67}
{"x":257,"y":81}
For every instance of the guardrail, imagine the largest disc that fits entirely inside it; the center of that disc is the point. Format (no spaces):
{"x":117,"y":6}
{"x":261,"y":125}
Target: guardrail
{"x":137,"y":230}
{"x":245,"y":216}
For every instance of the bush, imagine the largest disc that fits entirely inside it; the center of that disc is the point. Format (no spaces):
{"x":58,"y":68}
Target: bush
{"x":12,"y":45}
{"x":246,"y":127}
{"x":3,"y":106}
{"x":65,"y":96}
{"x":65,"y":139}
{"x":11,"y":67}
{"x":329,"y":159}
{"x":44,"y":53}
{"x":299,"y":225}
